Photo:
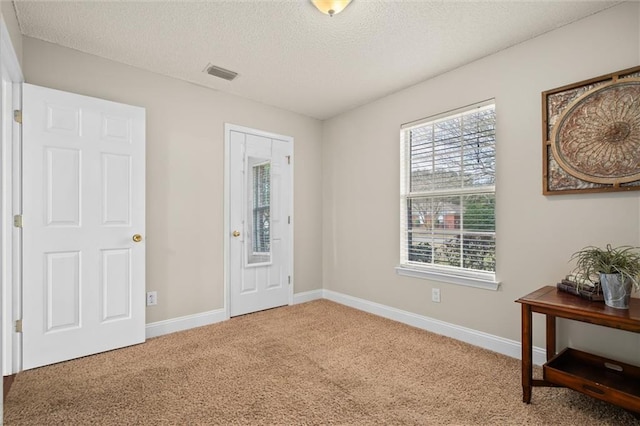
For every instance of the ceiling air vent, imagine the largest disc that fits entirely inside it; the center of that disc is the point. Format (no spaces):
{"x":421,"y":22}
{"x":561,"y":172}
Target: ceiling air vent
{"x":220,"y":72}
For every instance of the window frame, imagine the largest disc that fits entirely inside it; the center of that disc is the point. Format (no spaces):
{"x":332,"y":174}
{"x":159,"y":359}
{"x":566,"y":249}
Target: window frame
{"x":435,"y":272}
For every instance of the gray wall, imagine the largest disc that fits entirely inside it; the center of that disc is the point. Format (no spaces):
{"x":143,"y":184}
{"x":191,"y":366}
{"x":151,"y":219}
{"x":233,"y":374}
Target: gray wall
{"x":536,"y":235}
{"x":10,"y":20}
{"x":185,"y":170}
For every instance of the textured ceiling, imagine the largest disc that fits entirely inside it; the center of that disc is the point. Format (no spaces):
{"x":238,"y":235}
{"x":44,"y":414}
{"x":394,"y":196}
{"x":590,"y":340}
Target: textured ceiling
{"x":290,"y":55}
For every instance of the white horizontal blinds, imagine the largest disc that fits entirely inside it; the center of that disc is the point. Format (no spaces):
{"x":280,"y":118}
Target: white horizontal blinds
{"x":479,"y":147}
{"x":448,"y":200}
{"x":261,"y":207}
{"x":457,"y":151}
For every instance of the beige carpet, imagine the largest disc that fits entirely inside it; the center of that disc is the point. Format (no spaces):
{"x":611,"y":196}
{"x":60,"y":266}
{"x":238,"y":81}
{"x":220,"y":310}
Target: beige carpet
{"x":315,"y":363}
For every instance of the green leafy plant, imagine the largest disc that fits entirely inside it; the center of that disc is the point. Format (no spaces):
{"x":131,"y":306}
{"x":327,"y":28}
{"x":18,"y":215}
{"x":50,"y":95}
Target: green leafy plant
{"x":420,"y":252}
{"x":624,"y":260}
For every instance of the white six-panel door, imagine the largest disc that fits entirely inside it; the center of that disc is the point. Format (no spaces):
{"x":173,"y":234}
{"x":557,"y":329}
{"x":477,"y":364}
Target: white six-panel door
{"x":84,"y":200}
{"x":260,"y":225}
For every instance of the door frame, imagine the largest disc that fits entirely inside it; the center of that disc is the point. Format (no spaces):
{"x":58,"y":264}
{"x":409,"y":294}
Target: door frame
{"x":11,"y":202}
{"x":228,"y":128}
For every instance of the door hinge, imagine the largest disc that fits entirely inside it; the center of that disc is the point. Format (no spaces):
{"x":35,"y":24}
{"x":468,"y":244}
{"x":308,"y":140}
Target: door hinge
{"x":17,"y":221}
{"x":288,"y":159}
{"x":289,"y":220}
{"x":17,"y":116}
{"x":289,"y":279}
{"x":19,"y":326}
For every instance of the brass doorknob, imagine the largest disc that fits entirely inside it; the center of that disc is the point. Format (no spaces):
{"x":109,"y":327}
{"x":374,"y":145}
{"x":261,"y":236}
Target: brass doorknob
{"x":137,"y":238}
{"x":236,"y":233}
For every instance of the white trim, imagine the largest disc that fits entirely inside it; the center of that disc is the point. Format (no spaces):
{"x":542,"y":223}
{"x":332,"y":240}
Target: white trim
{"x":307,"y":296}
{"x":469,"y":281}
{"x":494,"y":343}
{"x":160,"y":328}
{"x":17,"y":196}
{"x":11,"y":304}
{"x":226,"y":230}
{"x":16,"y":237}
{"x":449,"y":114}
{"x":228,"y":128}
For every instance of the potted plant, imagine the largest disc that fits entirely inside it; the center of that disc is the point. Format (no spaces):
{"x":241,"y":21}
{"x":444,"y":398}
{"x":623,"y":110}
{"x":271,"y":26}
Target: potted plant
{"x":618,"y":270}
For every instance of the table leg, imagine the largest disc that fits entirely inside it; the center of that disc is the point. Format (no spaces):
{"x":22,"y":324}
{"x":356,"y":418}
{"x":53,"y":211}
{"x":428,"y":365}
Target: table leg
{"x":551,"y":337}
{"x":527,"y":365}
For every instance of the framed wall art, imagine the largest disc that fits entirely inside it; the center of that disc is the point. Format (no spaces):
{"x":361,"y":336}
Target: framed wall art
{"x":591,"y":135}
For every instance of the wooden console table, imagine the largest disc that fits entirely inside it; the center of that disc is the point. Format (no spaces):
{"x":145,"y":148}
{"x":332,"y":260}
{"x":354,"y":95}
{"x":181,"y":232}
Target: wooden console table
{"x":601,"y":378}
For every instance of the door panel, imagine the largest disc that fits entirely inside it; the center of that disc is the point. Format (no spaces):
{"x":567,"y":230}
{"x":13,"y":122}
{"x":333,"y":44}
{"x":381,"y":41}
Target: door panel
{"x":116,"y":284}
{"x":116,"y":189}
{"x":62,"y":295}
{"x":83,"y":185}
{"x":62,"y":183}
{"x":260,"y":196}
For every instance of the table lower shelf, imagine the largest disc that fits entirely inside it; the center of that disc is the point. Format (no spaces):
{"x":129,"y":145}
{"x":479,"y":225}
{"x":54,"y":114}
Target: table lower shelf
{"x":599,"y":377}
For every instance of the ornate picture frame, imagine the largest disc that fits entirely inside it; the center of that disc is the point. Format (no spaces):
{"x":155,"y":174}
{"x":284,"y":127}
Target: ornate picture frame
{"x":591,"y":135}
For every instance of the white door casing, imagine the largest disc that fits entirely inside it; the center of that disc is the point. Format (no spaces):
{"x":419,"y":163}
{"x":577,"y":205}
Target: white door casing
{"x":259,"y":231}
{"x":6,"y":231}
{"x":10,"y":177}
{"x":10,"y":72}
{"x":84,"y":199}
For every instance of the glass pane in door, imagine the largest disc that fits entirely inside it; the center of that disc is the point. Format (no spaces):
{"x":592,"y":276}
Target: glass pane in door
{"x":259,"y":214}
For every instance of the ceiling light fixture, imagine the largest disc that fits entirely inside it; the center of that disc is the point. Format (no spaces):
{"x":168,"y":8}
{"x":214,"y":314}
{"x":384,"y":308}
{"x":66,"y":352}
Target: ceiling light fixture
{"x":330,"y":7}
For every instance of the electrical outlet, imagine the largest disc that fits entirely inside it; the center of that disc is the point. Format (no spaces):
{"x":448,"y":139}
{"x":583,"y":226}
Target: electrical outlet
{"x":152,"y":298}
{"x":435,"y":295}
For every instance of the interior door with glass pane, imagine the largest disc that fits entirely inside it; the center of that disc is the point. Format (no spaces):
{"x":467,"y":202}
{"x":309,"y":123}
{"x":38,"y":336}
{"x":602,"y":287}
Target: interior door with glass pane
{"x":259,"y":203}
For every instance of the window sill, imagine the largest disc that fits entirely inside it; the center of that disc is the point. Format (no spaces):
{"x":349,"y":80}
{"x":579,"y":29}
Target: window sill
{"x":470,"y":280}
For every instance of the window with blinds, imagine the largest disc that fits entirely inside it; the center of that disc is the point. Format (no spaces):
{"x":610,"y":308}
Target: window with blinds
{"x":259,"y":250}
{"x":448,"y":192}
{"x":261,"y":208}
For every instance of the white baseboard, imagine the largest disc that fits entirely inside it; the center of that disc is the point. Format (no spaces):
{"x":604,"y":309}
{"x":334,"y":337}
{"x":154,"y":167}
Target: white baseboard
{"x":307,"y":296}
{"x":172,"y":325}
{"x":494,"y":343}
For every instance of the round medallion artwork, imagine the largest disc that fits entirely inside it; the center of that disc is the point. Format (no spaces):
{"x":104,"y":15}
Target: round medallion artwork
{"x":597,"y":137}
